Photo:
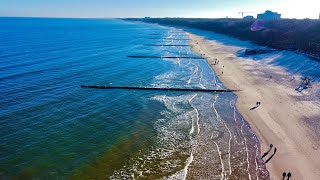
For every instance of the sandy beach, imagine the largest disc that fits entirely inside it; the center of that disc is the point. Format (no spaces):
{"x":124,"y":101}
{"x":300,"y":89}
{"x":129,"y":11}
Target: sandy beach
{"x":287,"y":119}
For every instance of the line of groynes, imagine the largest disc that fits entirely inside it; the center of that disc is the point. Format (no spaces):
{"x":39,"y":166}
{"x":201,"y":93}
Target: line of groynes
{"x":168,"y":57}
{"x":161,"y":88}
{"x":157,"y":88}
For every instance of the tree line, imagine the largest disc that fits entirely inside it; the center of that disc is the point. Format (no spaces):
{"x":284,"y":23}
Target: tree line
{"x":290,"y":34}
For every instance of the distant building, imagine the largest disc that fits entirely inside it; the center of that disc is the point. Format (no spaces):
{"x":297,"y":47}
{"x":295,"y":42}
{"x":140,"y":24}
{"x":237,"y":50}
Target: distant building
{"x":248,"y":17}
{"x":269,"y":15}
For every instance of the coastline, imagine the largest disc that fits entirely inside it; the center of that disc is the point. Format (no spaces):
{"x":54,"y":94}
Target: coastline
{"x":284,"y":115}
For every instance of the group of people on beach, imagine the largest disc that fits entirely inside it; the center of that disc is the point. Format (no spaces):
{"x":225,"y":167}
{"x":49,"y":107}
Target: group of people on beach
{"x":216,"y":62}
{"x":285,"y":174}
{"x":274,"y":152}
{"x":305,"y":82}
{"x":258,"y":103}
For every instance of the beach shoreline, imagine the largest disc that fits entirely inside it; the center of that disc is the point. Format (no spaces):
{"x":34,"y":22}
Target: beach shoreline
{"x":284,"y":116}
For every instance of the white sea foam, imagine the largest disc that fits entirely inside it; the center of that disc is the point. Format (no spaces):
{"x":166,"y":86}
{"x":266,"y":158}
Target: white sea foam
{"x":178,"y":131}
{"x":197,"y":117}
{"x":230,"y":135}
{"x":171,"y":140}
{"x":247,"y":152}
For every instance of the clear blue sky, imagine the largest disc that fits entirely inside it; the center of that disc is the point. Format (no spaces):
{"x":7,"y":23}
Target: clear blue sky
{"x":157,"y":8}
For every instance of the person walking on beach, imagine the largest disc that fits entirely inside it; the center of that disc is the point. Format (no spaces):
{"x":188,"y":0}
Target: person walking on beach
{"x":267,"y":152}
{"x":274,"y":152}
{"x":289,"y":175}
{"x":284,"y":175}
{"x":258,"y":103}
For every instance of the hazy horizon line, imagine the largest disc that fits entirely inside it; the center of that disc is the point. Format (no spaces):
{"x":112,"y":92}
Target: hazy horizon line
{"x":59,"y":17}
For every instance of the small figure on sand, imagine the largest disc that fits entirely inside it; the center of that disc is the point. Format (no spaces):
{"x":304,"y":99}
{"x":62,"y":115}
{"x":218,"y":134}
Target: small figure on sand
{"x":289,"y":175}
{"x":258,"y":103}
{"x":274,"y":152}
{"x":267,"y":152}
{"x":285,"y":174}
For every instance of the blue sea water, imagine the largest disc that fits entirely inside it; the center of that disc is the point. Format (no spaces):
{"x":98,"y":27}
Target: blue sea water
{"x":50,"y":127}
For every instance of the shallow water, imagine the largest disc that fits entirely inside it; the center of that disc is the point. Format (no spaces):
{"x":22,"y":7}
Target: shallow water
{"x":50,"y":127}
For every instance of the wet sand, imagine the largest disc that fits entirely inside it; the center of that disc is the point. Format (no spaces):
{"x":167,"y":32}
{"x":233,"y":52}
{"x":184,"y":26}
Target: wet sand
{"x":287,"y":119}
